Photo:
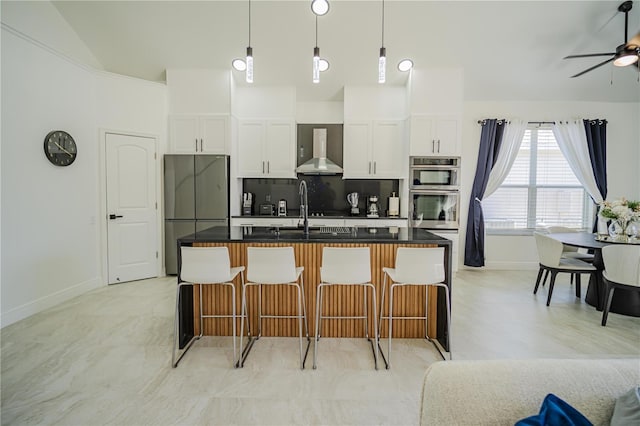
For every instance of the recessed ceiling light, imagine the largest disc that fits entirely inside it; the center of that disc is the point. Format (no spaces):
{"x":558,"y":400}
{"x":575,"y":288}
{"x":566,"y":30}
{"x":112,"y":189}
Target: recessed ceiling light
{"x":239,"y":64}
{"x":405,"y":65}
{"x":324,"y":65}
{"x":320,"y":7}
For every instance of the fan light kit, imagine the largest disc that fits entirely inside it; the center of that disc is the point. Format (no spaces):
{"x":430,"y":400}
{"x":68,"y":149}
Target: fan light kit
{"x":405,"y":65}
{"x":239,"y":64}
{"x":626,"y":54}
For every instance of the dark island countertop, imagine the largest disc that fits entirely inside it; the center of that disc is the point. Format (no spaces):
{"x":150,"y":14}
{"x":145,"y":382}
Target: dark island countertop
{"x":316,"y":235}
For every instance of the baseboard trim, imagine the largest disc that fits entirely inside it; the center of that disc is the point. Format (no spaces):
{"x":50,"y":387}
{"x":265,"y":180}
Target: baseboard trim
{"x":508,"y":266}
{"x":31,"y":308}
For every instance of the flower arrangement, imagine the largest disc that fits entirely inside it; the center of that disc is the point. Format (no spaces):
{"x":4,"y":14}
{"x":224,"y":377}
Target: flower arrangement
{"x":622,"y":213}
{"x":621,"y":210}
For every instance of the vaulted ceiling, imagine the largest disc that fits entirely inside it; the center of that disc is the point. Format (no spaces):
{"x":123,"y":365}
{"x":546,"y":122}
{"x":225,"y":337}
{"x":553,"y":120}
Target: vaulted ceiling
{"x":510,"y":50}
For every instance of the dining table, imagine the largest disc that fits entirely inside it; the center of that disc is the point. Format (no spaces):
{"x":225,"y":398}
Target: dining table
{"x":624,"y":302}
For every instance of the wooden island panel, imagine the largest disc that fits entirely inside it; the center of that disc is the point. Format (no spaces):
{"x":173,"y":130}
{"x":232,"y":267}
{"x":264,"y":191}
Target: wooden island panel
{"x":339,"y":300}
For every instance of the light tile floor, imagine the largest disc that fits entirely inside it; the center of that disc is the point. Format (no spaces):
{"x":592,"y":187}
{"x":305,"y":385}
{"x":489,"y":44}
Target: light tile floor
{"x":104,"y":358}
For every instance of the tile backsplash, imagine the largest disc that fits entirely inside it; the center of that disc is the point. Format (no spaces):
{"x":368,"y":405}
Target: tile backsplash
{"x":327,"y":194}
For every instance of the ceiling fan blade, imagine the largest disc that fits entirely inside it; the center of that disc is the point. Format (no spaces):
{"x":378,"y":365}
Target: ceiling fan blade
{"x":593,"y":67}
{"x":589,"y":55}
{"x":634,"y":42}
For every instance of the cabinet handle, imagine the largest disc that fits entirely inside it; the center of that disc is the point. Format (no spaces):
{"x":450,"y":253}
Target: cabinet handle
{"x":268,"y":168}
{"x":433,"y":145}
{"x":438,"y":146}
{"x":375,"y":163}
{"x":263,"y":167}
{"x":369,"y":167}
{"x":201,"y":149}
{"x":196,"y":145}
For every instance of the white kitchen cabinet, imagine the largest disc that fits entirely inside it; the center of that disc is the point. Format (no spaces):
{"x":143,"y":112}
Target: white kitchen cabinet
{"x":266,"y":148}
{"x":199,"y":134}
{"x":374,"y":149}
{"x":434,"y":136}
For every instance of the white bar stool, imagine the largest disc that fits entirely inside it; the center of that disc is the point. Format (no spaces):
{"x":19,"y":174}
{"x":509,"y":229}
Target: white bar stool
{"x":346,"y":266}
{"x":417,"y":267}
{"x":206,"y":266}
{"x":274,"y":266}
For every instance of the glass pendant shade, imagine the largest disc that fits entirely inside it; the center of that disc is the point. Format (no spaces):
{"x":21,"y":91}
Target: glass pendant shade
{"x":249,"y":61}
{"x":316,"y":64}
{"x":382,"y":65}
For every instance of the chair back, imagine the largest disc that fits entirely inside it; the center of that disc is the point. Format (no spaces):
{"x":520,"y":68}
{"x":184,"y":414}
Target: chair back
{"x":562,"y":229}
{"x":622,"y":263}
{"x":271,"y":265}
{"x":205,"y":265}
{"x":420,"y":265}
{"x":346,"y":265}
{"x":549,"y":250}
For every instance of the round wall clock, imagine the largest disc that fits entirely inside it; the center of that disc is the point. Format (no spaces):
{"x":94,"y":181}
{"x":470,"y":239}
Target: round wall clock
{"x":60,"y":148}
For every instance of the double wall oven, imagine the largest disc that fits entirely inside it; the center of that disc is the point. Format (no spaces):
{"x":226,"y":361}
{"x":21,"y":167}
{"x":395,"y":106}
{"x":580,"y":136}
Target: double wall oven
{"x":435,"y":192}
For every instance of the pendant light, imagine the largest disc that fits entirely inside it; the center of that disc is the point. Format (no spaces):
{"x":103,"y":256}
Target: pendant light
{"x":382,"y":60}
{"x":320,"y":7}
{"x":316,"y":58}
{"x":249,"y":71}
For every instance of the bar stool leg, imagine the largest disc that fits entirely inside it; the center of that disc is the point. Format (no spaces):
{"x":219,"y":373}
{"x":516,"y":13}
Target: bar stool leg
{"x":390,"y":325}
{"x":375,"y":325}
{"x":318,"y":317}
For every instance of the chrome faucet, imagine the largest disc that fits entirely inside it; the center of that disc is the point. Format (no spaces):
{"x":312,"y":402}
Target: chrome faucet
{"x":304,"y":206}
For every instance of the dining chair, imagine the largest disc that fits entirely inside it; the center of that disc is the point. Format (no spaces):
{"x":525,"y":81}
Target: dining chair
{"x":621,"y":270}
{"x":550,"y":256}
{"x":568,"y":252}
{"x":206,"y":266}
{"x":415,"y":267}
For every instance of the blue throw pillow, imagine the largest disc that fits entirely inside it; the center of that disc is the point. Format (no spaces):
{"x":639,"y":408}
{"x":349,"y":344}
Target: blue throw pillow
{"x":555,"y":412}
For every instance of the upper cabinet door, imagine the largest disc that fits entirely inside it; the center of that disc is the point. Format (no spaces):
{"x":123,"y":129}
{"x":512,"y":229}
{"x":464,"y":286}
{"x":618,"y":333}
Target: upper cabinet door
{"x":184,"y":134}
{"x":213,"y":134}
{"x":280,"y":149}
{"x":434,"y":136}
{"x":389,"y":154}
{"x":356,"y":149}
{"x":251,"y":139}
{"x":199,"y":134}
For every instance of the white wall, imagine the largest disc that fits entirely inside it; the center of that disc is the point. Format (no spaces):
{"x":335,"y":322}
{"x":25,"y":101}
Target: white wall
{"x":52,"y":246}
{"x":199,"y":91}
{"x":623,"y":152}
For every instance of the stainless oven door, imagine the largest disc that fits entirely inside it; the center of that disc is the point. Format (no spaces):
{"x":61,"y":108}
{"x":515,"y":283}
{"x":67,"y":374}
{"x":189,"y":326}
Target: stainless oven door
{"x":434,"y":178}
{"x":439,"y":209}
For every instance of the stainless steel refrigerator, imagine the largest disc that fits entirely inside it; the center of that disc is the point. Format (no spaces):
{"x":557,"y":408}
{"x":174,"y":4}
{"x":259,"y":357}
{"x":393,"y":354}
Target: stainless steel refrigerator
{"x":196,"y":197}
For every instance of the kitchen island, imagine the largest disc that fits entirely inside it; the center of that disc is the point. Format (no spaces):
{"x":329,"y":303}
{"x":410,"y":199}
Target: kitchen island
{"x":280,"y":300}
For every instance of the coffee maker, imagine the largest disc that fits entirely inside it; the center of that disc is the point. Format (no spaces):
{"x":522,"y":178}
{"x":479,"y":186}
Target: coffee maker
{"x":372,"y":206}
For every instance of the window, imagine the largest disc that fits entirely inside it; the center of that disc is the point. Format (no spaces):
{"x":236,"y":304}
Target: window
{"x":540,"y":190}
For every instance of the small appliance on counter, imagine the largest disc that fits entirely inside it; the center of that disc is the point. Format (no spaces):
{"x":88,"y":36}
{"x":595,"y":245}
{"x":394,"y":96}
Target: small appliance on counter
{"x":247,"y":204}
{"x":394,"y":205}
{"x":372,"y":208}
{"x":267,"y":209}
{"x":282,"y":207}
{"x":352,"y":198}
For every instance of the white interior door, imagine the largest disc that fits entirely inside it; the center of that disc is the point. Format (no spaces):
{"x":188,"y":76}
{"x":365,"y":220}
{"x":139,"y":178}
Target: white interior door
{"x":131,"y":207}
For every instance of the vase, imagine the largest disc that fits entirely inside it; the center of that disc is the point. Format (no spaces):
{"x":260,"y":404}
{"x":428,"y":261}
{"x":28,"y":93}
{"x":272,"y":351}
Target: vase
{"x":618,"y":229}
{"x":633,"y":230}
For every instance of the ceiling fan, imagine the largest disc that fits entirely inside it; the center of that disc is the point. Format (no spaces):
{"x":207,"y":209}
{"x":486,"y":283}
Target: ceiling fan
{"x":626,"y":54}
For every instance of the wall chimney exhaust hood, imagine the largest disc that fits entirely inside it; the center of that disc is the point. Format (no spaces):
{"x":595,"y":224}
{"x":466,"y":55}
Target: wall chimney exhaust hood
{"x":319,"y":164}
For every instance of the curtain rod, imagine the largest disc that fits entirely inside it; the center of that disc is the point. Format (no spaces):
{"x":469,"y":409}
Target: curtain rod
{"x":547,"y":122}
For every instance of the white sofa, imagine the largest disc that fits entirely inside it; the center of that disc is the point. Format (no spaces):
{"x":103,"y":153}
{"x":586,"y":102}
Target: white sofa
{"x":501,"y":392}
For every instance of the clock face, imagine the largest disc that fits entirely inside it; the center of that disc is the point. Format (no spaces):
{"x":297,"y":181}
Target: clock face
{"x":60,"y":148}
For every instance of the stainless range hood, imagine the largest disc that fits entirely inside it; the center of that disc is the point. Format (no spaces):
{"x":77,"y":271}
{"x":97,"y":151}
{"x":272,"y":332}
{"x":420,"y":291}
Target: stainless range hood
{"x":319,"y":164}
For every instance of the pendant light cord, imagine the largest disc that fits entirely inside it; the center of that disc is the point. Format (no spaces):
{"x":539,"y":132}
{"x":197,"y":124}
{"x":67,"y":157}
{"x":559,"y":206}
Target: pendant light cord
{"x":382,"y":23}
{"x":249,"y":22}
{"x":316,"y":30}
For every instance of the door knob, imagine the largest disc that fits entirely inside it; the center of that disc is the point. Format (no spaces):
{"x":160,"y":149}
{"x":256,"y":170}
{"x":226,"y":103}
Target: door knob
{"x":114,"y":216}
